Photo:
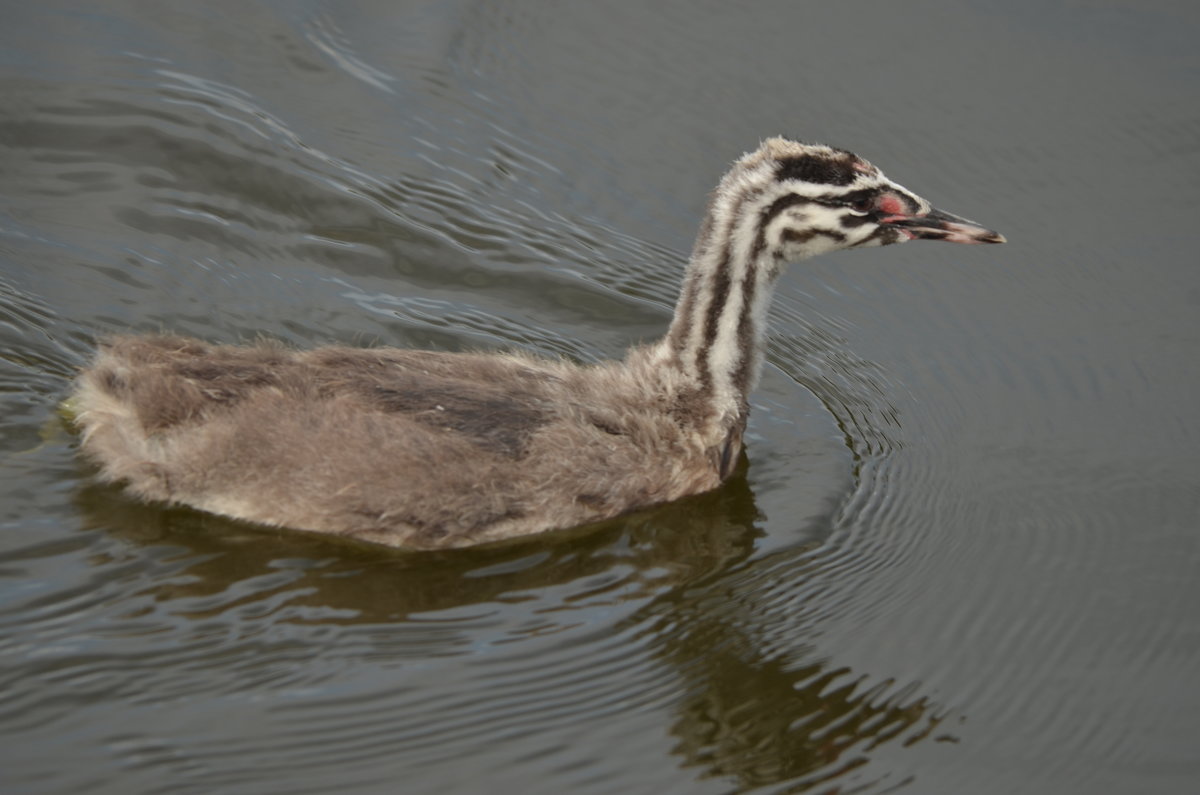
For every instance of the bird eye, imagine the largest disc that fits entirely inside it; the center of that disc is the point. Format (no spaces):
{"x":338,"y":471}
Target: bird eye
{"x":862,"y":204}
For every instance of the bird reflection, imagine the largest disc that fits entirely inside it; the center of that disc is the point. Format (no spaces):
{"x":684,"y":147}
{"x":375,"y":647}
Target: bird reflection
{"x":747,"y":711}
{"x":766,"y":721}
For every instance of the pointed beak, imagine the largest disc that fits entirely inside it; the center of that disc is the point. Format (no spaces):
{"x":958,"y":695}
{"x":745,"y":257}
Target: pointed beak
{"x":938,"y":225}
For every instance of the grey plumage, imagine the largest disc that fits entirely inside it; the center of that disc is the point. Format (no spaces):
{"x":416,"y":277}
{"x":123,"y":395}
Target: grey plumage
{"x":426,"y":449}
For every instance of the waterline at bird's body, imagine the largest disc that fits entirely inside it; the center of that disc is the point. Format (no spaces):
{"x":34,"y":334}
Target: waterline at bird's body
{"x":427,"y":449}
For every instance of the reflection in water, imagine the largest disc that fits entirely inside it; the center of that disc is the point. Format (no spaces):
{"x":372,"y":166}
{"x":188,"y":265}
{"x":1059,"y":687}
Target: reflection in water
{"x":342,"y":582}
{"x":743,"y":711}
{"x":764,"y":716}
{"x":761,"y":723}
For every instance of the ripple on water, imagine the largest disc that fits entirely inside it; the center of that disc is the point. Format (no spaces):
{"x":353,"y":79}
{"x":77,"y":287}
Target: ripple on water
{"x":348,"y":652}
{"x":261,"y":656}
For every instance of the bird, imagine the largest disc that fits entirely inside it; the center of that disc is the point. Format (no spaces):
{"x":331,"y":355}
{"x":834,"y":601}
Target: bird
{"x":423,"y":449}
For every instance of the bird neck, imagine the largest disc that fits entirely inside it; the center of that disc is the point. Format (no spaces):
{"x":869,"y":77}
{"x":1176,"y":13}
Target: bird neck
{"x":717,"y":336}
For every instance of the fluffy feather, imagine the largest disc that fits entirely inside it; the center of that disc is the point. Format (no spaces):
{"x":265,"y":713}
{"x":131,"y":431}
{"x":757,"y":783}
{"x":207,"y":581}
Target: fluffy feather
{"x":425,"y":449}
{"x":408,"y":448}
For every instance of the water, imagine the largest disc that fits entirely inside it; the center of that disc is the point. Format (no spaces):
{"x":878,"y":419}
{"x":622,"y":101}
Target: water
{"x":962,"y":556}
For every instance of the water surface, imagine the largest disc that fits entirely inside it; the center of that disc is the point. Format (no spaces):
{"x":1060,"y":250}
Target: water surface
{"x":961,"y":554}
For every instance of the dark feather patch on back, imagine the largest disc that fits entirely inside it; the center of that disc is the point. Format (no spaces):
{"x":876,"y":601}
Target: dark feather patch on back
{"x":494,"y":420}
{"x":427,"y":388}
{"x":171,"y":382}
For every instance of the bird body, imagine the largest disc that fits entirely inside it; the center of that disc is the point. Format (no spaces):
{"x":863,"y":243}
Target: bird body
{"x":426,"y":449}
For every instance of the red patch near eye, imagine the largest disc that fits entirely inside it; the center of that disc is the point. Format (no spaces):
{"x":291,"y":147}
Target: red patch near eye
{"x":891,"y":204}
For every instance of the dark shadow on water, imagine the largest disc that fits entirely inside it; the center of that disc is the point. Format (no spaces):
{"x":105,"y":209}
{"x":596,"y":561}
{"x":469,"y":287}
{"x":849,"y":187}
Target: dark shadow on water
{"x":761,"y":719}
{"x":356,"y":583}
{"x":744,"y":713}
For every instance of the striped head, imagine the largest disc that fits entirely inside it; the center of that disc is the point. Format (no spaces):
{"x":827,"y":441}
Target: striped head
{"x":795,"y":200}
{"x":784,"y":202}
